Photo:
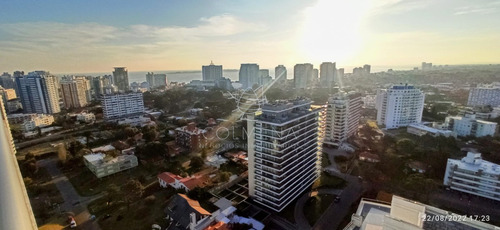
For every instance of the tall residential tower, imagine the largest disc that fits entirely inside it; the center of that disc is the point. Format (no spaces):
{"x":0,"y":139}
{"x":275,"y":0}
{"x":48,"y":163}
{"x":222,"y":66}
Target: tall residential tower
{"x":120,"y":79}
{"x":284,"y":152}
{"x":39,"y":92}
{"x":343,"y":112}
{"x":399,"y":106}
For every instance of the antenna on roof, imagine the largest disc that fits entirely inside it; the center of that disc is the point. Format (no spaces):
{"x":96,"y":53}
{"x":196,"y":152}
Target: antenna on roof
{"x":211,"y":62}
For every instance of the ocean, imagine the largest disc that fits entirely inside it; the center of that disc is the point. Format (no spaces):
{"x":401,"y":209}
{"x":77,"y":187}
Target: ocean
{"x":187,"y":75}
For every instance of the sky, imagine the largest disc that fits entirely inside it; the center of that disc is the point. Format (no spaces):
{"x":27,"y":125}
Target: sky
{"x":94,"y":36}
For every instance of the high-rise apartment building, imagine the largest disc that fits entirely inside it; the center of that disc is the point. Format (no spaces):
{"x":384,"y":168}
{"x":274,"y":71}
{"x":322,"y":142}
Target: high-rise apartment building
{"x":340,"y":75}
{"x":211,"y":72}
{"x":485,"y":95}
{"x":121,"y":105}
{"x":473,"y":175}
{"x":249,"y":75}
{"x":75,"y":93}
{"x":280,"y":74}
{"x":39,"y":92}
{"x":328,"y":72}
{"x":263,"y":76}
{"x":426,"y":66}
{"x":399,"y":106}
{"x":367,"y":68}
{"x":156,"y":80}
{"x":303,"y":75}
{"x":343,"y":112}
{"x":468,"y":125}
{"x":120,"y":79}
{"x":15,"y":205}
{"x":284,"y":152}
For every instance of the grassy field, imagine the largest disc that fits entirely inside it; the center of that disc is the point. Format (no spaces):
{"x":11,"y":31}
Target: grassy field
{"x":140,"y":215}
{"x":87,"y":184}
{"x":316,"y":206}
{"x":328,"y":181}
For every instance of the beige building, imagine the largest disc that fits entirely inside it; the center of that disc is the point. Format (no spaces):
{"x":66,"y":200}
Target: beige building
{"x":102,"y":165}
{"x":74,"y":92}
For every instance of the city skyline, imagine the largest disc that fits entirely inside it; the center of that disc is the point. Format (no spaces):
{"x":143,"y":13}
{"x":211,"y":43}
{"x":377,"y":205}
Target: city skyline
{"x":95,"y":36}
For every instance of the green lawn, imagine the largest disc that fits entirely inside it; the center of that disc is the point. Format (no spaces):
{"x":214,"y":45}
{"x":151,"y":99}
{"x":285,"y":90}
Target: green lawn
{"x":315,"y":207}
{"x":328,"y":181}
{"x":138,"y":216}
{"x":87,"y":184}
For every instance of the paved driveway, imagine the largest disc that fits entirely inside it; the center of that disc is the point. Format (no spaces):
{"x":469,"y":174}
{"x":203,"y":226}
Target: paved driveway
{"x":73,"y":202}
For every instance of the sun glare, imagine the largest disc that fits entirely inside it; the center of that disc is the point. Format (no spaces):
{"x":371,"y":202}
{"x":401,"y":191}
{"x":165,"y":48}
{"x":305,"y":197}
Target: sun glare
{"x":332,"y":30}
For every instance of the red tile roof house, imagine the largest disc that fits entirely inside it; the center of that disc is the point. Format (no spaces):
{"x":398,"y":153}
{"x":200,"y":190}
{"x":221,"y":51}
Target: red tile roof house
{"x":167,"y":179}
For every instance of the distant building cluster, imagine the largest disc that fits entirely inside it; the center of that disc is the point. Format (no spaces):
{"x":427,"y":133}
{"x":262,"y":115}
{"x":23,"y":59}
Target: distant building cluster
{"x":468,"y":125}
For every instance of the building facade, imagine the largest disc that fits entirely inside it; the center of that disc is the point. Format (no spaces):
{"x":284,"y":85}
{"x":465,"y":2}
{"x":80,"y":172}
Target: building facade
{"x":39,"y":92}
{"x":485,"y":95}
{"x":120,"y":79}
{"x":303,"y":75}
{"x":468,"y":125}
{"x":284,"y":152}
{"x":102,"y":165}
{"x":190,"y":137}
{"x":74,"y":93}
{"x":328,"y":72}
{"x":249,"y":75}
{"x":156,"y":80}
{"x":403,"y":213}
{"x":280,"y":74}
{"x":343,"y":112}
{"x":473,"y":175}
{"x":39,"y":120}
{"x":116,"y":106}
{"x":399,"y":106}
{"x":211,"y":72}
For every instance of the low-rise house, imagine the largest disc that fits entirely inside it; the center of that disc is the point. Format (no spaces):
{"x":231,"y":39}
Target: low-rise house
{"x":224,"y":218}
{"x":85,"y":117}
{"x":422,"y":129}
{"x":168,"y":179}
{"x":182,"y":211}
{"x":215,"y":161}
{"x":369,"y":157}
{"x":104,"y":165}
{"x":173,"y":149}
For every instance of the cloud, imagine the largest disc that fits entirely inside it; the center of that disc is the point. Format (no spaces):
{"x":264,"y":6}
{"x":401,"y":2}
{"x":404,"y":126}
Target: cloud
{"x":397,"y":6}
{"x":39,"y":43}
{"x":476,"y":10}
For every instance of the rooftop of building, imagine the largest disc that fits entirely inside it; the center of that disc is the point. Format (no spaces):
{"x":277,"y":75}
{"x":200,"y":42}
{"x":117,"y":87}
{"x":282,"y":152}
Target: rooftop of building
{"x":471,"y":117}
{"x":473,"y":162}
{"x":283,"y":105}
{"x":428,"y":129}
{"x":100,"y":159}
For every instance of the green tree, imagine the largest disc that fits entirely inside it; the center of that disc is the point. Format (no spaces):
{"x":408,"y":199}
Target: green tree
{"x":112,"y":192}
{"x":405,"y":146}
{"x":130,"y":131}
{"x":224,"y":176}
{"x":196,"y":163}
{"x":132,"y":191}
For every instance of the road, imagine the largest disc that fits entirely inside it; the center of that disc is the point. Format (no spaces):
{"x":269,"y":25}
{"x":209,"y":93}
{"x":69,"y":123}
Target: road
{"x":53,"y":137}
{"x":299,"y":216}
{"x":73,"y":202}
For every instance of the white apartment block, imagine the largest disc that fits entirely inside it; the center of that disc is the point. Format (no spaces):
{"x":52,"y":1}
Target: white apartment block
{"x":485,"y":95}
{"x":403,"y":213}
{"x":102,"y":165}
{"x":399,"y":106}
{"x":40,"y":120}
{"x":284,"y":152}
{"x":473,"y":175}
{"x":39,"y":92}
{"x":303,"y":75}
{"x":343,"y":112}
{"x":85,"y":117}
{"x":121,"y":105}
{"x":469,"y":125}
